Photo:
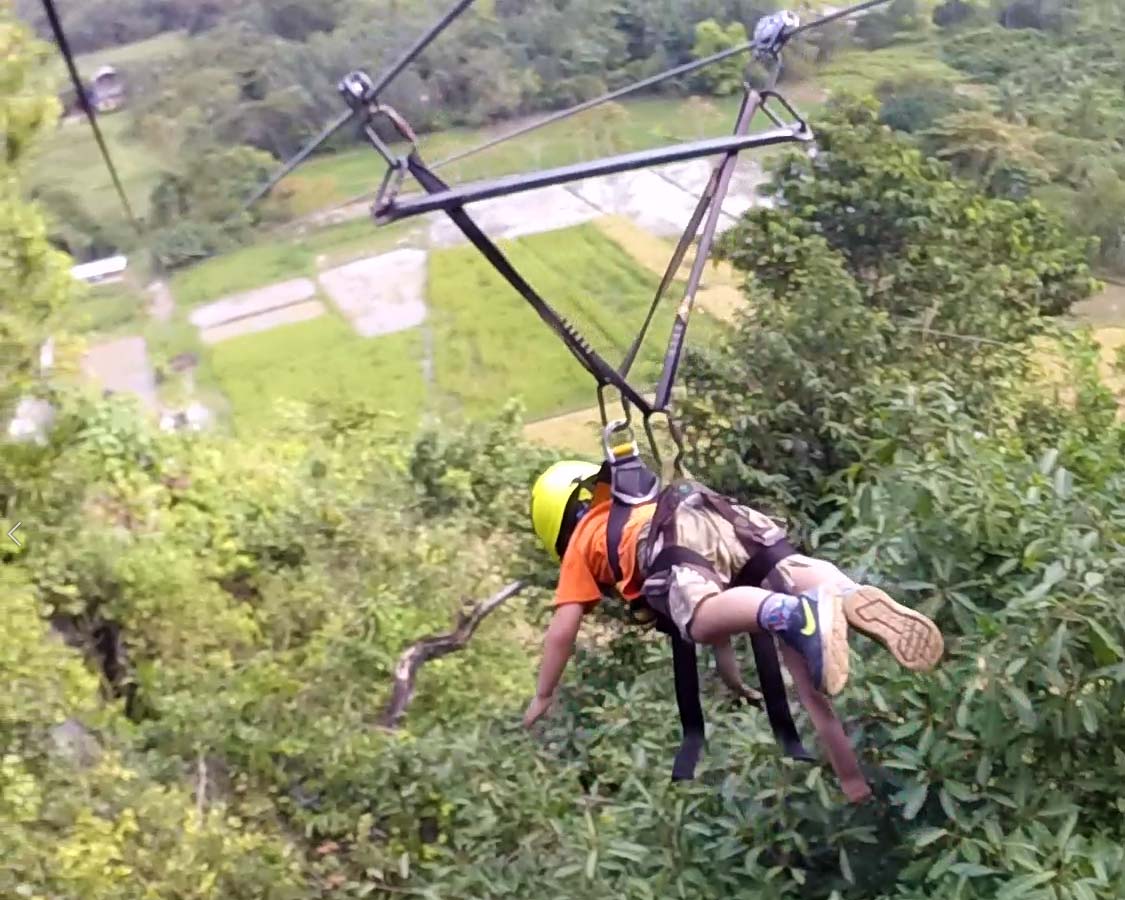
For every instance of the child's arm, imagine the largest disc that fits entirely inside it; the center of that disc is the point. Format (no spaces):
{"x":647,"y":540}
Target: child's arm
{"x":558,"y":644}
{"x":731,"y":673}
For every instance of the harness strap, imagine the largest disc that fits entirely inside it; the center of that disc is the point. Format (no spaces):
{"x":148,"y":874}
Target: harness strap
{"x":618,"y":517}
{"x":602,"y":371}
{"x":765,"y":650}
{"x":686,"y":675}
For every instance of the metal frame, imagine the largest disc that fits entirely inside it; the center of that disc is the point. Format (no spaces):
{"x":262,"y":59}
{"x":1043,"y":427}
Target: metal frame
{"x":391,"y":209}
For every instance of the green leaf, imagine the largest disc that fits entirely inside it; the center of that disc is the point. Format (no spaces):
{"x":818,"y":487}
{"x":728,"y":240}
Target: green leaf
{"x":1066,"y":831}
{"x":1019,"y":887}
{"x":1089,"y":717}
{"x":971,"y":870}
{"x":1047,"y":461}
{"x":1055,"y":645}
{"x":923,"y":837}
{"x":984,"y":769}
{"x":913,"y":798}
{"x":1106,"y":650}
{"x":591,"y":864}
{"x":1023,"y":706}
{"x":627,"y":850}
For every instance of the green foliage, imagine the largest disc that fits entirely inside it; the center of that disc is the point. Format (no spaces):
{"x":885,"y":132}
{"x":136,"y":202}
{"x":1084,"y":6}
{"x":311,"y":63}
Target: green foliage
{"x":1068,"y":127}
{"x":915,"y":104}
{"x":84,"y":820}
{"x":34,"y":277}
{"x":726,"y":77}
{"x":876,"y":271}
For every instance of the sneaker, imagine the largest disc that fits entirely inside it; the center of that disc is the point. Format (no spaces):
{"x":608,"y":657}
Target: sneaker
{"x":912,"y":639}
{"x":822,"y":639}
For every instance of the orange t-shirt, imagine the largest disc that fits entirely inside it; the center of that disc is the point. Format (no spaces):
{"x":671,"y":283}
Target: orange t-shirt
{"x":585,"y":564}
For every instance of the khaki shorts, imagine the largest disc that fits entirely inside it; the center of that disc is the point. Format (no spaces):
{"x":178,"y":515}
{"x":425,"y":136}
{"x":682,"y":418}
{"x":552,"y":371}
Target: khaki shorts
{"x":710,"y":535}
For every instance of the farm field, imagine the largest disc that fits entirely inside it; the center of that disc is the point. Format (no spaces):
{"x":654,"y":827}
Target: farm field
{"x":480,"y":345}
{"x":323,"y":363}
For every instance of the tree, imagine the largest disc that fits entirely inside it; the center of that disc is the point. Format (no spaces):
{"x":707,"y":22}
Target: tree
{"x":36,"y":281}
{"x":995,"y":154}
{"x":723,"y":78}
{"x":873,"y":248}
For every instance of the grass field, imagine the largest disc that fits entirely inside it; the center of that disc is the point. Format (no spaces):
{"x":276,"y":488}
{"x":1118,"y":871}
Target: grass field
{"x":490,"y":345}
{"x":322,"y":362}
{"x":68,"y":158}
{"x":106,"y":311}
{"x":862,"y":71}
{"x":287,"y":255}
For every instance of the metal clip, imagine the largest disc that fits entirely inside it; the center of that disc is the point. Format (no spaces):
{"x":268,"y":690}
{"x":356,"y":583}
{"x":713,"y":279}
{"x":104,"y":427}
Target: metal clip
{"x":631,"y":481}
{"x":358,"y":89}
{"x":771,"y":33}
{"x":401,"y":125}
{"x":801,"y":130}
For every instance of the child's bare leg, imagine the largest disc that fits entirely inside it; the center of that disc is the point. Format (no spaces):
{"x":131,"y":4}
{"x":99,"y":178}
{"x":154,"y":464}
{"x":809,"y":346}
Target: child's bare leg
{"x":814,"y":626}
{"x":829,"y":729}
{"x":740,"y":610}
{"x":912,"y":639}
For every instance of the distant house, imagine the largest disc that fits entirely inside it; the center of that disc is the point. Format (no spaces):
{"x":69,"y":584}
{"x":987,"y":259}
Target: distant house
{"x":101,"y":271}
{"x":107,"y":90}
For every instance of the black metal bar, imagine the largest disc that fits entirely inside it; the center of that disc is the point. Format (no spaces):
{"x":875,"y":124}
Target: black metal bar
{"x":725,"y":170}
{"x":515,"y":184}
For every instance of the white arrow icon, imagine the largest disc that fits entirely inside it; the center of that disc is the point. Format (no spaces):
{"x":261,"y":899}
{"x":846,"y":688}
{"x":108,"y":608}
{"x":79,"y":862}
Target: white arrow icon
{"x":12,"y":534}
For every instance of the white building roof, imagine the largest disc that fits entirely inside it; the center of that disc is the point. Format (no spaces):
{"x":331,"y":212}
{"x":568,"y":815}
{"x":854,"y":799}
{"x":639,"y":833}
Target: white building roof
{"x":100,"y":268}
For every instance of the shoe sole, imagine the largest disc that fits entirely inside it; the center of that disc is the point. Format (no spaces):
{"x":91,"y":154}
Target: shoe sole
{"x":833,"y":643}
{"x":911,"y":638}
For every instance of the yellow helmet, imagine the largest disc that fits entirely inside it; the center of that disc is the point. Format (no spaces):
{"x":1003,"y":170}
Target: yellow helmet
{"x":554,"y":502}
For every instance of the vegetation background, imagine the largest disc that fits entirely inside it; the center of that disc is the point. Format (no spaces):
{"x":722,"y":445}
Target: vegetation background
{"x":201,"y":629}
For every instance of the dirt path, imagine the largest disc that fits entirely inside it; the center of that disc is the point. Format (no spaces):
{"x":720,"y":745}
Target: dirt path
{"x":163,"y":305}
{"x":122,"y":365}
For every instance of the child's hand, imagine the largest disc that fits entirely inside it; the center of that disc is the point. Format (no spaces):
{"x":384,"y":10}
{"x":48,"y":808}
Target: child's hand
{"x":751,"y":696}
{"x":536,"y":709}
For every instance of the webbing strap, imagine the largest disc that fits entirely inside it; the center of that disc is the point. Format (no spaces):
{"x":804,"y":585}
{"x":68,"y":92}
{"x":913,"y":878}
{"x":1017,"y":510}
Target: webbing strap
{"x":618,"y":517}
{"x":765,"y":655}
{"x":602,"y":371}
{"x":751,"y":100}
{"x":686,"y":672}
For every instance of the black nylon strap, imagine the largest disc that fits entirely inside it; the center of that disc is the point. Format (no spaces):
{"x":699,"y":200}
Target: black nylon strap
{"x":765,"y":653}
{"x":602,"y":371}
{"x":759,"y":566}
{"x":618,"y":517}
{"x":686,"y":672}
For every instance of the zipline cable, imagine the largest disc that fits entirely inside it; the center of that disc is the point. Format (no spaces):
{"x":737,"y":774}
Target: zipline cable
{"x":618,"y":93}
{"x":87,"y":108}
{"x":651,"y":81}
{"x":389,"y":75}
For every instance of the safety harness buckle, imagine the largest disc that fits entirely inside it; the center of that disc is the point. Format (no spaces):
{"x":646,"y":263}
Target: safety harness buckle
{"x":631,"y":481}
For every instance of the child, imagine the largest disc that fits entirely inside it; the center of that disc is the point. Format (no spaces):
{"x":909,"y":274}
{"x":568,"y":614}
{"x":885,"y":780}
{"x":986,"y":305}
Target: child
{"x":808,"y":603}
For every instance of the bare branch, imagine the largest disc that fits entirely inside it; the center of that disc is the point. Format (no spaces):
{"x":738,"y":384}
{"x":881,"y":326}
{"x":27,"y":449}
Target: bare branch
{"x":434,"y":647}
